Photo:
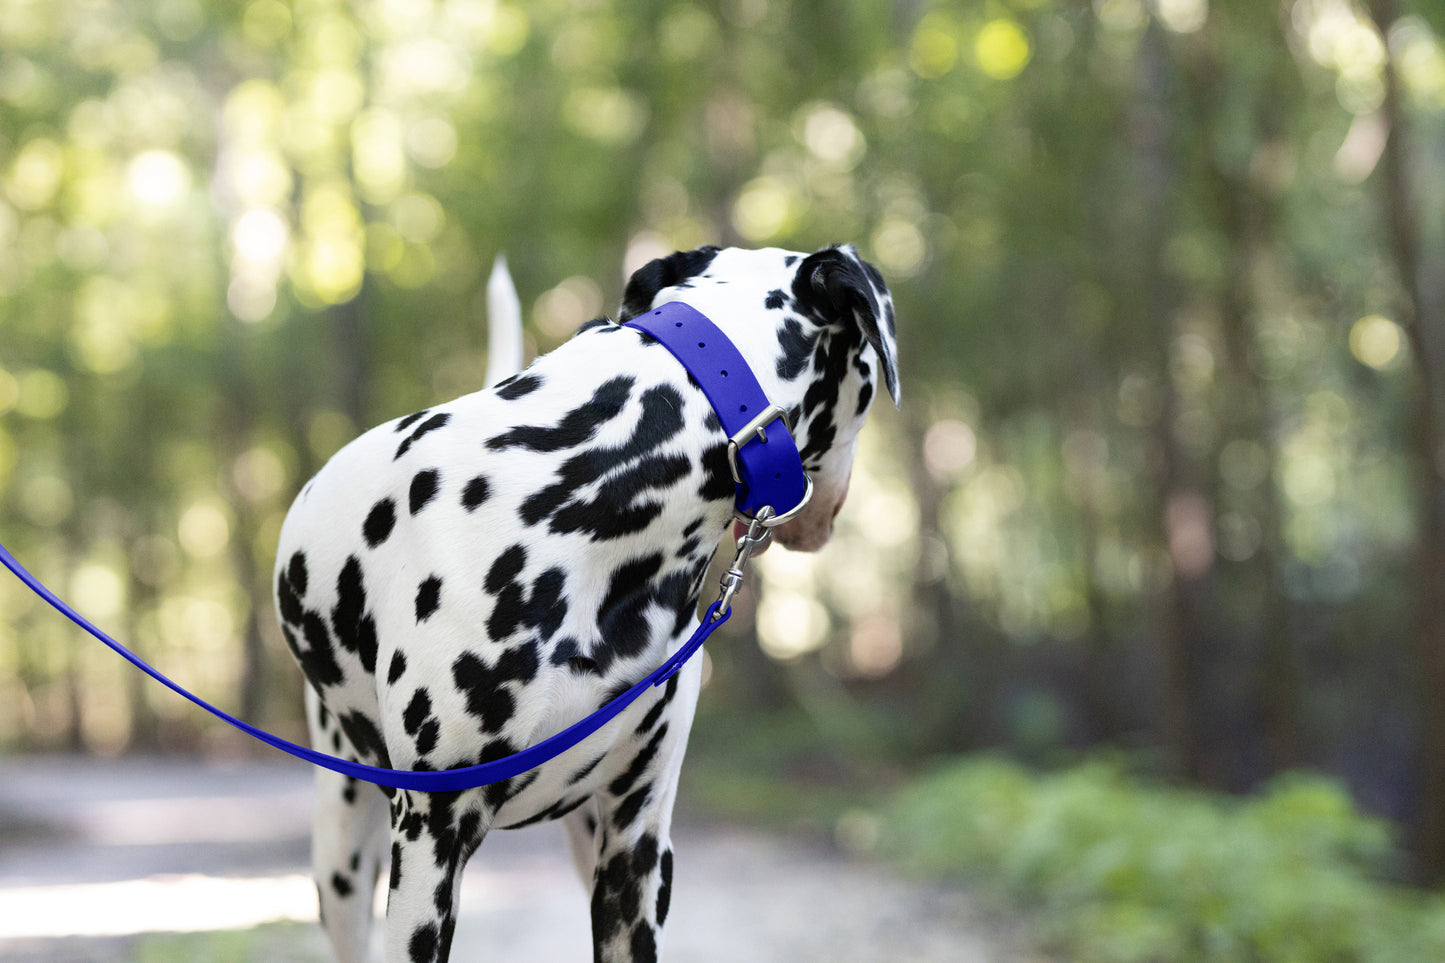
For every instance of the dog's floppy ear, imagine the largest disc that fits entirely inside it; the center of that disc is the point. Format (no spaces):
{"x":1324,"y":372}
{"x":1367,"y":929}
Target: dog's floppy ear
{"x":837,"y":286}
{"x":664,"y":272}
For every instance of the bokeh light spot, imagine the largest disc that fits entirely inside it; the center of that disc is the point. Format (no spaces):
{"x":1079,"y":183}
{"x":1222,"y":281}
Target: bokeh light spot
{"x":204,"y":529}
{"x":765,"y":209}
{"x":899,"y":247}
{"x":934,"y":50}
{"x":42,"y":394}
{"x":418,"y":217}
{"x":949,"y":447}
{"x":432,"y":142}
{"x":157,"y":178}
{"x":1375,"y":341}
{"x":1182,"y":16}
{"x":831,"y":136}
{"x":98,"y":591}
{"x":558,"y":312}
{"x":1001,"y":49}
{"x":35,"y":174}
{"x":260,"y":236}
{"x":790,"y":624}
{"x":265,"y":22}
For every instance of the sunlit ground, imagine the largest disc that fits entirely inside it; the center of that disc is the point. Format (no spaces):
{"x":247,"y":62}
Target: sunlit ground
{"x":174,"y":904}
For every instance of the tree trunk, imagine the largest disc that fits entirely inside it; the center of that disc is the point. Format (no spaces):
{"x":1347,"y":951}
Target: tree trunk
{"x":1178,"y":508}
{"x":1422,"y":319}
{"x":969,"y":667}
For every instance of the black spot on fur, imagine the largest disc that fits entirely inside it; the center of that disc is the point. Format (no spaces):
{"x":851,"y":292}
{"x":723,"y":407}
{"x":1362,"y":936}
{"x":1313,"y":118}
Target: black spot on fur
{"x":640,"y":762}
{"x":355,"y":630}
{"x":506,"y":568}
{"x":564,"y":650}
{"x":621,"y":618}
{"x":664,"y":892}
{"x":379,"y":522}
{"x":576,"y":427}
{"x":426,"y":736}
{"x":613,"y":512}
{"x":318,"y":659}
{"x":717,"y":478}
{"x":775,"y":299}
{"x":423,"y":489}
{"x":411,"y":419}
{"x":431,"y":424}
{"x":518,"y":386}
{"x":664,"y":272}
{"x":864,"y":397}
{"x":547,"y":608}
{"x":596,"y":323}
{"x":655,"y":713}
{"x":428,"y":596}
{"x":442,"y":895}
{"x":583,"y":665}
{"x":644,"y":855}
{"x":544,"y":609}
{"x":555,"y":811}
{"x":797,"y":347}
{"x":644,"y":943}
{"x":398,"y":666}
{"x":585,"y":771}
{"x":341,"y":884}
{"x":614,"y":891}
{"x":423,"y":943}
{"x":296,"y":572}
{"x":475,"y":493}
{"x":365,"y":737}
{"x":288,"y":599}
{"x":484,"y":686}
{"x":416,"y":711}
{"x":631,"y":807}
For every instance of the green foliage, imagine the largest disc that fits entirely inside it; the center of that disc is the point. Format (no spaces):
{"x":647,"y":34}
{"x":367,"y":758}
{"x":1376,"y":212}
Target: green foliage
{"x":271,"y":943}
{"x":1120,"y":870}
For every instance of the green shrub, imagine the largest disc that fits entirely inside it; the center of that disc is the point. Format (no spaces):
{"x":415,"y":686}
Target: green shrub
{"x":1120,"y":870}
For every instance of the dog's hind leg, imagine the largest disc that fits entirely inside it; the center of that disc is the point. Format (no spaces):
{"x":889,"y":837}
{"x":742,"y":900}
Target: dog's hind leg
{"x":348,"y":846}
{"x":581,"y":826}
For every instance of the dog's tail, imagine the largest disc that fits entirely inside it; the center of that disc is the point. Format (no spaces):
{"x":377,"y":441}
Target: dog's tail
{"x":504,"y":324}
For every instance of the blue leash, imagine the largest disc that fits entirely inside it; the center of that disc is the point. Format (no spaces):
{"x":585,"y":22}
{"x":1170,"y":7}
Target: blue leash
{"x":672,"y":324}
{"x":427,"y":781}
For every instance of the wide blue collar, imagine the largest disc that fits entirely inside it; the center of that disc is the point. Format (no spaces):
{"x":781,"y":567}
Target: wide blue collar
{"x":762,"y":454}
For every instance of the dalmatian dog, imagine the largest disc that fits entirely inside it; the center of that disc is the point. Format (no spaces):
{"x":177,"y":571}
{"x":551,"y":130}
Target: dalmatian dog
{"x":461,"y":583}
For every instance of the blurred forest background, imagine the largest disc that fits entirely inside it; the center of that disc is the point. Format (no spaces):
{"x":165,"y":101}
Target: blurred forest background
{"x":1166,"y":483}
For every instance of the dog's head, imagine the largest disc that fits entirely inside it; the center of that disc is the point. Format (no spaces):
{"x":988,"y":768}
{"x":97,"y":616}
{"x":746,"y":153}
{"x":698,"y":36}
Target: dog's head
{"x":818,"y":332}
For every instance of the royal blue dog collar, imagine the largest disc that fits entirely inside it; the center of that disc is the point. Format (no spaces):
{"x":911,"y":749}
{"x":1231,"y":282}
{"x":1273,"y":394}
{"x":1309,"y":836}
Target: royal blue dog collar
{"x":762,"y":454}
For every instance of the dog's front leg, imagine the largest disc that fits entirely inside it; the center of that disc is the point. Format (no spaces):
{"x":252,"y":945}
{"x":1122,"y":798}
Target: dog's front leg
{"x":632,"y":883}
{"x":429,"y":849}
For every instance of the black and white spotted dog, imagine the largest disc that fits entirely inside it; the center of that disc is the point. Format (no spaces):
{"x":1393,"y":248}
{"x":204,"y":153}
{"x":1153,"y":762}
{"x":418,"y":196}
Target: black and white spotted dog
{"x":463,"y":582}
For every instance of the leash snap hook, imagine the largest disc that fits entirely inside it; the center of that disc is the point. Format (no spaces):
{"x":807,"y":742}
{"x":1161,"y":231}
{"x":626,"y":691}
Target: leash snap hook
{"x":732,"y":580}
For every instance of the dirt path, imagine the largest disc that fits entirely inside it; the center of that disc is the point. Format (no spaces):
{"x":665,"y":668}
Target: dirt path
{"x":98,"y":858}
